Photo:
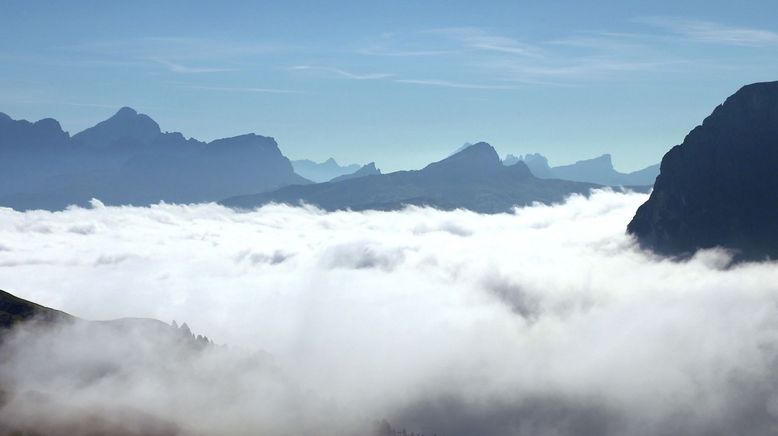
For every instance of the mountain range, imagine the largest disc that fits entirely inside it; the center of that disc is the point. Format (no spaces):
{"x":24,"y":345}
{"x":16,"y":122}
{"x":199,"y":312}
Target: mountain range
{"x":597,"y":170}
{"x":324,"y":171}
{"x":127,"y":159}
{"x":473,"y":179}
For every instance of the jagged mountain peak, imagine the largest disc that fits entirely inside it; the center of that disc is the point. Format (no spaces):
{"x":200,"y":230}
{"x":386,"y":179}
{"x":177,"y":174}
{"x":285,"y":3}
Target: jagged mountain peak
{"x":125,"y":124}
{"x":126,"y":111}
{"x":479,"y":155}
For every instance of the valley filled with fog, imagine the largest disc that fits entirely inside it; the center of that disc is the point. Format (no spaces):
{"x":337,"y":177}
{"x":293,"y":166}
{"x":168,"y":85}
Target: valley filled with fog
{"x":548,"y":320}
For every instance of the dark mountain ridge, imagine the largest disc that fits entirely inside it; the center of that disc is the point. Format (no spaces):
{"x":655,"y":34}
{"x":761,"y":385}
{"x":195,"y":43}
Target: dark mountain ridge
{"x":719,"y":187}
{"x":15,"y":311}
{"x":473,"y":179}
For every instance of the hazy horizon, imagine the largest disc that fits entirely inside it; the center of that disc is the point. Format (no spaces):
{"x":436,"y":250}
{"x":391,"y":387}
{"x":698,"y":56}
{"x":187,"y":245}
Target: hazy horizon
{"x":400,"y":85}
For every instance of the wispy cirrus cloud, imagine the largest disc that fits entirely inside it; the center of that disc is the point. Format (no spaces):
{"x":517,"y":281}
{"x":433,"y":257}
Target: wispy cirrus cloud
{"x":601,"y":41}
{"x":712,"y":32}
{"x":450,"y":84}
{"x":184,"y":55}
{"x":341,"y":72}
{"x":481,"y":39}
{"x":378,"y":51}
{"x":177,"y":48}
{"x":246,"y":89}
{"x":493,"y":56}
{"x":186,"y":69}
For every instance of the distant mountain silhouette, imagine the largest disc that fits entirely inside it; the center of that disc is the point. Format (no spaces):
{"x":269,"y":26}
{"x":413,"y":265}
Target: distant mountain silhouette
{"x":322,"y":172}
{"x":474,"y":179}
{"x":127,"y":125}
{"x":536,"y":162}
{"x":511,"y":159}
{"x":127,"y":159}
{"x":461,"y":148}
{"x":719,"y":187}
{"x":597,"y":170}
{"x":366,"y":170}
{"x":23,"y":136}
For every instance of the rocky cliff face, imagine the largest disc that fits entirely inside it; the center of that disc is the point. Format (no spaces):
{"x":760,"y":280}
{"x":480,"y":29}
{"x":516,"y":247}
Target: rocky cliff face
{"x":720,"y":186}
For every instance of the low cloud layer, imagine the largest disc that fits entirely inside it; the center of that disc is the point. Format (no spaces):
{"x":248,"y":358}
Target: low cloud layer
{"x":547,"y":321}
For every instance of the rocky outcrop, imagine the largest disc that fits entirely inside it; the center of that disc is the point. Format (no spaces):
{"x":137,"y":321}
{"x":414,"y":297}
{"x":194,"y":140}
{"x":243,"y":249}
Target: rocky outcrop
{"x":719,"y":188}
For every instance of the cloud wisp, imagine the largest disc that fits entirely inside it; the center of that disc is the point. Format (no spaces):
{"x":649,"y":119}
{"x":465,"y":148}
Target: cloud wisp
{"x":450,"y":84}
{"x":341,"y":73}
{"x":185,"y":69}
{"x":712,"y":32}
{"x":546,"y":321}
{"x":240,"y":89}
{"x":480,"y":39}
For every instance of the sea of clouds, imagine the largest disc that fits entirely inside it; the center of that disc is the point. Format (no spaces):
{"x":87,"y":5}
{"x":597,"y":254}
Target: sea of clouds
{"x":546,"y":321}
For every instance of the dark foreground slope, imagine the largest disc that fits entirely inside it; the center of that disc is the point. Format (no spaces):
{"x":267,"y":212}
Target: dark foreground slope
{"x":62,"y":352}
{"x":14,"y":310}
{"x":720,"y":186}
{"x":473,"y":179}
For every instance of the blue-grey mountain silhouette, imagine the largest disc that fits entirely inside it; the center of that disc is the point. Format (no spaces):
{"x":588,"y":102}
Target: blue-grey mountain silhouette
{"x":461,"y":148}
{"x":127,"y":159}
{"x":597,"y":170}
{"x":324,"y":171}
{"x":126,"y":126}
{"x":720,"y":186}
{"x":366,"y":170}
{"x":474,"y":179}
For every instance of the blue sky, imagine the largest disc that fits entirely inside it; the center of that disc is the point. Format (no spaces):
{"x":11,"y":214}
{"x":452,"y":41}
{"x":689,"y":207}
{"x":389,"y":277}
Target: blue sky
{"x":401,"y":83}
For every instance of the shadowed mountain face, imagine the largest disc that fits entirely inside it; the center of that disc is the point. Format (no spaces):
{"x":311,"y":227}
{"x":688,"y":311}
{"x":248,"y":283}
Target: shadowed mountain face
{"x":322,"y":172}
{"x":719,"y":187}
{"x":15,"y":310}
{"x":597,"y":170}
{"x":473,"y":179}
{"x":126,"y":159}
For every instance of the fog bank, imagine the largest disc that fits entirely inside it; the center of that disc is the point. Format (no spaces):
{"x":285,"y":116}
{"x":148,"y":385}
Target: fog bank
{"x":546,"y":321}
